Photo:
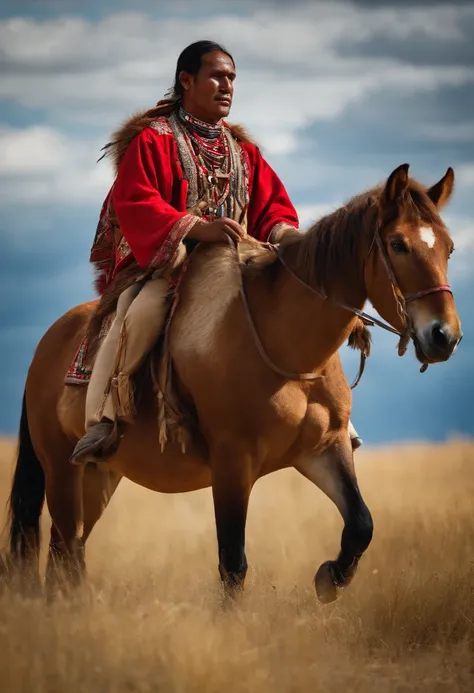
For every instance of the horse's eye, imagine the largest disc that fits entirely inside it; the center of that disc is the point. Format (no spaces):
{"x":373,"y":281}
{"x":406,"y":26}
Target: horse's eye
{"x":399,"y":246}
{"x":451,"y":251}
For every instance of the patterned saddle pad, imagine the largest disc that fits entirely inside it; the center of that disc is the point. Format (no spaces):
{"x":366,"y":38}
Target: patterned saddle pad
{"x":80,"y":370}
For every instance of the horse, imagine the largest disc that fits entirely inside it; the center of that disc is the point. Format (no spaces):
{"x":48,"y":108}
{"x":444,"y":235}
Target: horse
{"x":237,"y":336}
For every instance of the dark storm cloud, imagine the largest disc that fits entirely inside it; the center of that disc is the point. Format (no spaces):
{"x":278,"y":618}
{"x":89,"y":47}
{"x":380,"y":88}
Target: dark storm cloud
{"x":417,"y":49}
{"x":367,"y":141}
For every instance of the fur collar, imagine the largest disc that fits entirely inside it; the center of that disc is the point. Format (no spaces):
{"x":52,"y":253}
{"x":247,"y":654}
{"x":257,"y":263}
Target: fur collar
{"x":134,"y":125}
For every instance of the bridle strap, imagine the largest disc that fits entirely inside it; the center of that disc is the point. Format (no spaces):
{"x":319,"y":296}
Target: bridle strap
{"x":367,"y":319}
{"x":308,"y":377}
{"x":427,"y":292}
{"x":402,"y":299}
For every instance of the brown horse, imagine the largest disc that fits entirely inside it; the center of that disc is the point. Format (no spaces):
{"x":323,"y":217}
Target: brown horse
{"x":388,"y":245}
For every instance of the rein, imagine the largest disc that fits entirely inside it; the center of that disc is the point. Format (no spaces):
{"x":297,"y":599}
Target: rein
{"x":402,"y":300}
{"x":261,"y":350}
{"x":289,"y":375}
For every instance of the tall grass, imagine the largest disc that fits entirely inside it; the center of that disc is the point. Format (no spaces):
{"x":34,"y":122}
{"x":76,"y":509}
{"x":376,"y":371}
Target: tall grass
{"x":152,"y":620}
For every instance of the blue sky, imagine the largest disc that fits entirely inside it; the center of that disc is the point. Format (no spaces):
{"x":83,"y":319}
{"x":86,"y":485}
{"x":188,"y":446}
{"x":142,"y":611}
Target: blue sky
{"x":338,"y":95}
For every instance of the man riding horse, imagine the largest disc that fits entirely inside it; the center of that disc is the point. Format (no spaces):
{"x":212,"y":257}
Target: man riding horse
{"x":184,"y":176}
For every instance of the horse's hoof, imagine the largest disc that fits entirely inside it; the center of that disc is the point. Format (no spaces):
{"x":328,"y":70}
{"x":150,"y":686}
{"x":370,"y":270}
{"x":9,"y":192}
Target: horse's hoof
{"x":327,"y":590}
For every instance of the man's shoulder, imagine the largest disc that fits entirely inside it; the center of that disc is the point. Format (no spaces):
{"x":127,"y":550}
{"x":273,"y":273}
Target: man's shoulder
{"x":241,"y":135}
{"x":144,"y":127}
{"x":161,"y":126}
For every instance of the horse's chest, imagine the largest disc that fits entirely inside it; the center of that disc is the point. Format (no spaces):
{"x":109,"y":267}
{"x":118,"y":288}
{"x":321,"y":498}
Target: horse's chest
{"x":315,"y":430}
{"x":289,"y":424}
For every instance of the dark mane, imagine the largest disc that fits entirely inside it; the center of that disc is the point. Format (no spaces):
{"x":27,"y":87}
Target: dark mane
{"x":338,"y":243}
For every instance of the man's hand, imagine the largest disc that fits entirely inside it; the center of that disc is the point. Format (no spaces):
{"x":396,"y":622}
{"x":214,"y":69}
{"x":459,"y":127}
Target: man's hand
{"x":216,"y":231}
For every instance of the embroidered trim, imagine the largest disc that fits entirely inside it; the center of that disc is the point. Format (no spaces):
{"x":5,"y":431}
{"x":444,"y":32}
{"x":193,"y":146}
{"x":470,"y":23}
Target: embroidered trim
{"x":207,"y":130}
{"x":239,"y":197}
{"x":161,"y":126}
{"x":186,"y":159}
{"x":80,"y":370}
{"x":123,"y":249}
{"x":177,"y":233}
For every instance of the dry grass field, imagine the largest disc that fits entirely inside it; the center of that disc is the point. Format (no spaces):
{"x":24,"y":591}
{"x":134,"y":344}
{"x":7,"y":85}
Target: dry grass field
{"x":153,"y":621}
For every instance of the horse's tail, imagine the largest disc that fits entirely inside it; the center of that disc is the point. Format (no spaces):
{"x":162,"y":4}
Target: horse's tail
{"x":26,"y":501}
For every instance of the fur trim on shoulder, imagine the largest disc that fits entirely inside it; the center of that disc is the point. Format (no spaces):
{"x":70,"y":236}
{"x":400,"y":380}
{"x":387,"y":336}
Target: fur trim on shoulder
{"x":135,"y":124}
{"x":241,"y":135}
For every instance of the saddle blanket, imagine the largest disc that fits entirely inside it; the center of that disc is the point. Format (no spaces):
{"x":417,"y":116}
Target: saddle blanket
{"x":80,"y":370}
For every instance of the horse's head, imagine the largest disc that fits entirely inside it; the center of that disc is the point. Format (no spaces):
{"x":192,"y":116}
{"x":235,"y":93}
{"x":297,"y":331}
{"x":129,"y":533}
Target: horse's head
{"x":406,"y":272}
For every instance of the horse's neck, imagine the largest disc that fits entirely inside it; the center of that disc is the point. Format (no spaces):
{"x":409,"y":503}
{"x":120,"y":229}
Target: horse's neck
{"x":308,"y":330}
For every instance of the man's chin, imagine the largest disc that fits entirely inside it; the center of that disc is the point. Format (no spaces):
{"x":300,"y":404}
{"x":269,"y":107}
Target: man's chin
{"x":222,"y":110}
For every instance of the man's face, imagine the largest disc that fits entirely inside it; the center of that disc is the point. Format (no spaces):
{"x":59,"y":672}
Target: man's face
{"x":208,"y":95}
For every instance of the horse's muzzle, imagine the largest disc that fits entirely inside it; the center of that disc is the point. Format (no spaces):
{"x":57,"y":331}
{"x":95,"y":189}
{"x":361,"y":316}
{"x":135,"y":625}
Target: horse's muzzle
{"x":436,"y":342}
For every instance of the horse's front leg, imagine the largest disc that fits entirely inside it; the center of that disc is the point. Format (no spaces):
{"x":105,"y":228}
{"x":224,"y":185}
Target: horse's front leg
{"x":333,"y":472}
{"x":232,"y":481}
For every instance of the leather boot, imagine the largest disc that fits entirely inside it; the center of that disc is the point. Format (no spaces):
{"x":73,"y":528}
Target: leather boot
{"x":98,"y":444}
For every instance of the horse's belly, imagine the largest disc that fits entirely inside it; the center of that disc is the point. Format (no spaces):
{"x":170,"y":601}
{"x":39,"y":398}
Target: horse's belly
{"x":140,"y":460}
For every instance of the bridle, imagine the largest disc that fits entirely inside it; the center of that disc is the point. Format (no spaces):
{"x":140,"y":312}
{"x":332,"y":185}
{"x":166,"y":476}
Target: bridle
{"x":403,"y":299}
{"x":371,"y":321}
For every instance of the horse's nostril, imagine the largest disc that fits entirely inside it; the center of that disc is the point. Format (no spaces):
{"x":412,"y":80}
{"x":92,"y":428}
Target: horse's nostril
{"x":440,"y":340}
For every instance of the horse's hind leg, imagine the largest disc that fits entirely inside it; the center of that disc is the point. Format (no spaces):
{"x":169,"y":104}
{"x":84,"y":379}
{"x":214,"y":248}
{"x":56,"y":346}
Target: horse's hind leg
{"x":231,"y":486}
{"x":76,"y":503}
{"x":64,"y":493}
{"x":333,"y":472}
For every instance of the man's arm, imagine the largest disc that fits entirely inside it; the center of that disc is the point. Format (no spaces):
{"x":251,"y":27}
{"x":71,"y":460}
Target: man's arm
{"x":152,"y":227}
{"x":271,"y":214}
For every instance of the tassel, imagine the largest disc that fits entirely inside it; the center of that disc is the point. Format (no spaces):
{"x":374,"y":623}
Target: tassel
{"x":123,"y":389}
{"x":125,"y":397}
{"x":161,"y":386}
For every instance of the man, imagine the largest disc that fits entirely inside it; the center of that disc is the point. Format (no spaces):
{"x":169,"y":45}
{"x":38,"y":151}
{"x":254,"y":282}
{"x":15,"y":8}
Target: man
{"x":183,"y":176}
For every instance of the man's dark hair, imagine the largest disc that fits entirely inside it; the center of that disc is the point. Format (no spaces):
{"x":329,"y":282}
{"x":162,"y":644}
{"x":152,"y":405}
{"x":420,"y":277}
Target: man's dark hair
{"x":190,"y":61}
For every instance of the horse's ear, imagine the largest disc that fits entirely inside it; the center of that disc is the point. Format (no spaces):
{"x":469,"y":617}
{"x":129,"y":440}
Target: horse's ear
{"x":396,"y":184}
{"x":441,"y":192}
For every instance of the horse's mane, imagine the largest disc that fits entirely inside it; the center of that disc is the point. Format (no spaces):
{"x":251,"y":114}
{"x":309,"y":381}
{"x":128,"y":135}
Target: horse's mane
{"x":337,"y":244}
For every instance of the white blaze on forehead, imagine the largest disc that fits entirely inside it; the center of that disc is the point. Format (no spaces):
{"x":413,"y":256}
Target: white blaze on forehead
{"x":427,"y":236}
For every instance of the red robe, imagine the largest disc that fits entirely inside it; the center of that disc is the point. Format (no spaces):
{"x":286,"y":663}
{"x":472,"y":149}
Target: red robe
{"x":149,"y":201}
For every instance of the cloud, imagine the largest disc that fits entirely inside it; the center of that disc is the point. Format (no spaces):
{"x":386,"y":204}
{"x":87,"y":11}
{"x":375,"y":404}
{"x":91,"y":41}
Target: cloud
{"x":308,"y":214}
{"x":465,"y":175}
{"x":337,"y":94}
{"x":95,"y":72}
{"x":461,"y":229}
{"x":41,"y":164}
{"x":35,"y":150}
{"x":445,"y":132}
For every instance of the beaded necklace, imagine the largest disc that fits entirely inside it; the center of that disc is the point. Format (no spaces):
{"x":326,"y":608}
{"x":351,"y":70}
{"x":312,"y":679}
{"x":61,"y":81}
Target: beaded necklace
{"x":209,"y":149}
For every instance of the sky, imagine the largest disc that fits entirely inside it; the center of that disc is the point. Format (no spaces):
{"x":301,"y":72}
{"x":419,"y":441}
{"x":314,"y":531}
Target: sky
{"x":338,"y":94}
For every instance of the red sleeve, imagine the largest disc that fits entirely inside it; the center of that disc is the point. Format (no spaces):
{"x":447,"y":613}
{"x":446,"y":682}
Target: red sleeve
{"x":152,"y":227}
{"x":270,"y":207}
